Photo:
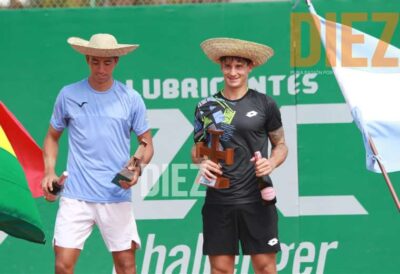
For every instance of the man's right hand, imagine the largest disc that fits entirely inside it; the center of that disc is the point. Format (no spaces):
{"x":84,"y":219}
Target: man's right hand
{"x":47,"y":185}
{"x":208,"y":169}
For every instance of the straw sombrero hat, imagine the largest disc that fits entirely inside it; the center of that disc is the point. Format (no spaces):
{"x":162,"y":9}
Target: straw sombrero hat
{"x":216,"y":48}
{"x":100,"y":45}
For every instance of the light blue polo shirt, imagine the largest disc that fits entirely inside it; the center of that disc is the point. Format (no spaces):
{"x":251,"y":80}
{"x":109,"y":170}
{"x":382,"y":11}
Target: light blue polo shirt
{"x":99,"y":132}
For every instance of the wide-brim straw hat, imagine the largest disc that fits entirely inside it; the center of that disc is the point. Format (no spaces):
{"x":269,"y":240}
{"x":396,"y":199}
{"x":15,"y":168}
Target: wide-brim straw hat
{"x":101,"y":45}
{"x":216,"y":48}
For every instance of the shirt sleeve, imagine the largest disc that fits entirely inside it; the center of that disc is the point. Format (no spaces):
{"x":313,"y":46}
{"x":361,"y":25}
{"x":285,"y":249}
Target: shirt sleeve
{"x":59,"y":119}
{"x":139,"y":123}
{"x":274,"y":120}
{"x":199,"y":134}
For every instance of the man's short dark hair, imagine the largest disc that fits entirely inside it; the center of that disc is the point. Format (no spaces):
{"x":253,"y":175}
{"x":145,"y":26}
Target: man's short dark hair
{"x":235,"y":58}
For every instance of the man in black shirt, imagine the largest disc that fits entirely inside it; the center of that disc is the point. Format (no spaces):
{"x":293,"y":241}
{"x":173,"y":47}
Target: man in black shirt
{"x":248,"y":119}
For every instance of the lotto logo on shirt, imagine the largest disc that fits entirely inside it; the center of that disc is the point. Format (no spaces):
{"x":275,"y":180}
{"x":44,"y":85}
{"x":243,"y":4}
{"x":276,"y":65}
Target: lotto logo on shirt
{"x":251,"y":113}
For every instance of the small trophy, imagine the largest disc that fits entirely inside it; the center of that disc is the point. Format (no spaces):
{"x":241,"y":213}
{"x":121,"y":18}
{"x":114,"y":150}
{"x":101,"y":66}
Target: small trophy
{"x":215,"y":155}
{"x":127,"y":173}
{"x":57,"y":187}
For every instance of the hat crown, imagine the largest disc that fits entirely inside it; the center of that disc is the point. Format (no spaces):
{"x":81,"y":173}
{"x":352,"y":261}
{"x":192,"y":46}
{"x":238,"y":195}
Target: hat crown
{"x":101,"y":45}
{"x":215,"y":48}
{"x":102,"y":41}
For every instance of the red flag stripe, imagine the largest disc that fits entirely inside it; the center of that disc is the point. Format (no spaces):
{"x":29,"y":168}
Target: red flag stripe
{"x":28,"y":153}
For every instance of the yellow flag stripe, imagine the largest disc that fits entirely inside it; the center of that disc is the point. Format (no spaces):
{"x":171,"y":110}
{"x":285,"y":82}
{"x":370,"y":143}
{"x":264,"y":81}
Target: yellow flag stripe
{"x":4,"y":143}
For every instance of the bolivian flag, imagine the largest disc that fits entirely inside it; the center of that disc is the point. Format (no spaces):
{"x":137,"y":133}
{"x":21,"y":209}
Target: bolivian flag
{"x":21,"y":169}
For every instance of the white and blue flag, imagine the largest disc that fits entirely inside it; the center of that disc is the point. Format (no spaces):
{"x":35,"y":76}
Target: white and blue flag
{"x":371,"y":89}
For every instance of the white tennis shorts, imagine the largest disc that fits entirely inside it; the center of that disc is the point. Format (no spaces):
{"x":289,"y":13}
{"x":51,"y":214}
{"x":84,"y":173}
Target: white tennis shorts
{"x":76,"y":219}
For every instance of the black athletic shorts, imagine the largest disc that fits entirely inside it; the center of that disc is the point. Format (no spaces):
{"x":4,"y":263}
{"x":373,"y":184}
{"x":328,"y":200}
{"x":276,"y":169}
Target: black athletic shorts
{"x":254,"y":225}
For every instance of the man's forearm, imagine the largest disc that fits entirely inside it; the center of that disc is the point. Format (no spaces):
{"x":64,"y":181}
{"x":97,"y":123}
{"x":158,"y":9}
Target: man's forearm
{"x":279,"y":149}
{"x":149,"y":148}
{"x":148,"y":155}
{"x":278,"y":154}
{"x":50,"y":152}
{"x":196,"y":160}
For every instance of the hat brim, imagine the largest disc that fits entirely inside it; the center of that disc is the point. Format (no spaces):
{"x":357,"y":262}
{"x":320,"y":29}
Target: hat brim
{"x":216,"y":48}
{"x":82,"y":46}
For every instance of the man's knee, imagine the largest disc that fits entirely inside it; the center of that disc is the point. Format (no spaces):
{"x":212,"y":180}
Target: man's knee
{"x":124,"y":261}
{"x":125,"y":267}
{"x":222,"y":264}
{"x":63,"y":267}
{"x":264,"y":263}
{"x":268,"y":268}
{"x":65,"y":259}
{"x":220,"y":269}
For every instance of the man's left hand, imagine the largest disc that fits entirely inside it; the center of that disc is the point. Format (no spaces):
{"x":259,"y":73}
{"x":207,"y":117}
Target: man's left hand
{"x":263,"y":166}
{"x":127,"y":184}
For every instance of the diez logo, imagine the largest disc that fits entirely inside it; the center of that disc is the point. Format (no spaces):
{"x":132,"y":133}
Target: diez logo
{"x":342,"y":40}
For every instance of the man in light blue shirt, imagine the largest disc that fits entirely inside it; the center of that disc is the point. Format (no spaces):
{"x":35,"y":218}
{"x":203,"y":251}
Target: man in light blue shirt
{"x":100,"y":113}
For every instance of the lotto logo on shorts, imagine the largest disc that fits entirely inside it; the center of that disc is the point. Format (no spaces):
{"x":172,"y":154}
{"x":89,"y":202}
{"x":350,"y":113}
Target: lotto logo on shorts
{"x":273,"y":241}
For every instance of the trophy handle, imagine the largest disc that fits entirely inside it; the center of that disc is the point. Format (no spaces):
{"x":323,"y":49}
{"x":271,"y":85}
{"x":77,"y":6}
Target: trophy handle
{"x":229,"y":156}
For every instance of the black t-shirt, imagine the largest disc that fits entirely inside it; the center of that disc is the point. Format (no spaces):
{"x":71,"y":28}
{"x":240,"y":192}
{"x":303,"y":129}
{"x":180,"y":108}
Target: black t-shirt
{"x":246,"y":123}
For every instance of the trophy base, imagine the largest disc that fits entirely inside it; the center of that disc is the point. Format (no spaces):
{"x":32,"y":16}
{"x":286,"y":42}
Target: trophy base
{"x":124,"y":175}
{"x":219,"y":183}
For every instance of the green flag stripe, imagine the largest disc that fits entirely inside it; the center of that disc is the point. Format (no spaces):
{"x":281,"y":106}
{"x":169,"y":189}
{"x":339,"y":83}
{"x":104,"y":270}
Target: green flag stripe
{"x":19,"y":216}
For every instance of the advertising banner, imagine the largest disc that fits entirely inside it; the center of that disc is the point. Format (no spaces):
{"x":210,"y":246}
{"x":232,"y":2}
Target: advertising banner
{"x":335,"y":216}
